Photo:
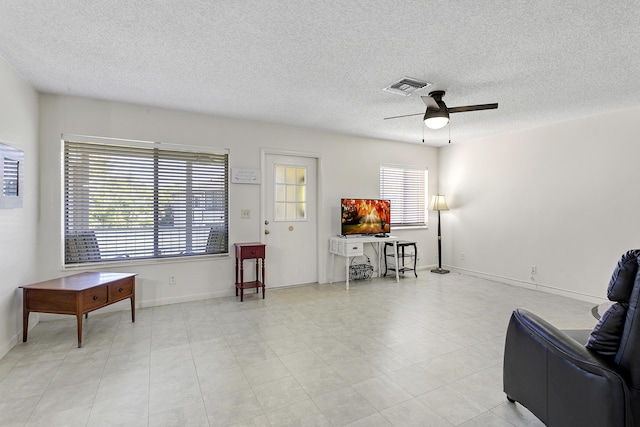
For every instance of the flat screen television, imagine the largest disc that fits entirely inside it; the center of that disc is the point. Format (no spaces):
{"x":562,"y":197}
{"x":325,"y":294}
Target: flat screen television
{"x":365,"y":216}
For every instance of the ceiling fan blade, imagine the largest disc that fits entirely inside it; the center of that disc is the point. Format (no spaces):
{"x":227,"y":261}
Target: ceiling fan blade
{"x":430,"y":102}
{"x":473,"y":108}
{"x":406,"y":115}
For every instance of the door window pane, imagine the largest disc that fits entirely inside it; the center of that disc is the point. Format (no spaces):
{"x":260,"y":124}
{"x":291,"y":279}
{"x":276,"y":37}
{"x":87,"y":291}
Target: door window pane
{"x":302,"y":211}
{"x":290,"y":193}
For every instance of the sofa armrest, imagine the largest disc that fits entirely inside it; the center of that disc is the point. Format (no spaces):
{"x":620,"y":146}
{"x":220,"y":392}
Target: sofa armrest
{"x":557,"y":378}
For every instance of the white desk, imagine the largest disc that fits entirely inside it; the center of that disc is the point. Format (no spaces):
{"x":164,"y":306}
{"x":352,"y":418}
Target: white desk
{"x":349,"y":247}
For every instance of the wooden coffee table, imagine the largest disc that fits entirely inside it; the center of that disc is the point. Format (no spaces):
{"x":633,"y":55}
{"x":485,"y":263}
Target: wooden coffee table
{"x":77,"y":294}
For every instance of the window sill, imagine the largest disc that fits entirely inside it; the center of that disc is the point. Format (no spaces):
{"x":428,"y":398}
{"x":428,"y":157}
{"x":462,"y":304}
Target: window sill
{"x":137,"y":262}
{"x":409,"y":227}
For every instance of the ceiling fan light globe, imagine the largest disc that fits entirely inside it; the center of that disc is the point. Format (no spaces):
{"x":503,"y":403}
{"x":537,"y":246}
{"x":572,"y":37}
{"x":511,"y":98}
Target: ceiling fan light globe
{"x":437,"y":122}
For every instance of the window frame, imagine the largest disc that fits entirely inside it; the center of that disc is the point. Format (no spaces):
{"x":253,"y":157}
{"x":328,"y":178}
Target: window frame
{"x":185,"y":168}
{"x":391,"y":182}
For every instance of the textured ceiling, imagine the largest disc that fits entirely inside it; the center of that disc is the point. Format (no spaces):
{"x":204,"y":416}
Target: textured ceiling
{"x":323,"y":64}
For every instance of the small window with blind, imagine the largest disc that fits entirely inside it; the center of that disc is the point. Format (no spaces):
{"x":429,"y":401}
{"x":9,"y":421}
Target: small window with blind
{"x":406,"y":188}
{"x":125,"y":201}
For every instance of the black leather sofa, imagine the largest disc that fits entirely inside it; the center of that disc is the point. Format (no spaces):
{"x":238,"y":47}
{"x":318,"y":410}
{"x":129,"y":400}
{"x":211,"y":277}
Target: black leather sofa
{"x":566,"y":383}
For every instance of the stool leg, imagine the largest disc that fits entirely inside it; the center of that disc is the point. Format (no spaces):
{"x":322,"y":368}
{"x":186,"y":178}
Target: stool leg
{"x":385,"y":260}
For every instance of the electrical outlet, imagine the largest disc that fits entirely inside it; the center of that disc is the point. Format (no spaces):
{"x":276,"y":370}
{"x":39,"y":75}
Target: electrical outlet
{"x":172,"y":280}
{"x":245,"y":214}
{"x":534,"y":269}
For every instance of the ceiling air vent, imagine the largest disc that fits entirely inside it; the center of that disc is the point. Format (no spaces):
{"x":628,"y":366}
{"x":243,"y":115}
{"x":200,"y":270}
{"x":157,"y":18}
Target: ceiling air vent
{"x":406,"y":86}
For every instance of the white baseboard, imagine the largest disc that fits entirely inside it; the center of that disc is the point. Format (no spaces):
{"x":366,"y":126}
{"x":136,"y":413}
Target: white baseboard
{"x":529,"y":285}
{"x":7,"y":346}
{"x":184,"y":298}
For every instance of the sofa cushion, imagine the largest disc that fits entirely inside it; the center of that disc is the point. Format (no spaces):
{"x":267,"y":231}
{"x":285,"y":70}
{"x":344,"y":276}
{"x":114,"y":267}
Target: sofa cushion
{"x":605,"y":337}
{"x":623,"y":277}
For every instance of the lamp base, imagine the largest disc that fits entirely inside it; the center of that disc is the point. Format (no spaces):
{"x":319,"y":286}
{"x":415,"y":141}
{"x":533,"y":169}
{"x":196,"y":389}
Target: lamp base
{"x":439,"y":270}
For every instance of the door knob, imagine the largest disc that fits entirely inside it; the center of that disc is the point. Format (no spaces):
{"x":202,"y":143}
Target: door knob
{"x":266,"y":222}
{"x":266,"y":231}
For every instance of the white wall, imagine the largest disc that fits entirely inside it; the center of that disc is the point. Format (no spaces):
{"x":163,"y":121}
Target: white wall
{"x":18,"y":227}
{"x":561,"y":197}
{"x":350,"y":168}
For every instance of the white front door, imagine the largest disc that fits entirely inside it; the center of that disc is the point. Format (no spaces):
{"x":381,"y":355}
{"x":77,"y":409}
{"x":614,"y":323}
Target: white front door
{"x":290,"y":215}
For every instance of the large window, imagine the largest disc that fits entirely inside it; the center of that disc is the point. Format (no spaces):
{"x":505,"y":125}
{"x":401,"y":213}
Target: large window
{"x":131,"y":202}
{"x":406,"y":188}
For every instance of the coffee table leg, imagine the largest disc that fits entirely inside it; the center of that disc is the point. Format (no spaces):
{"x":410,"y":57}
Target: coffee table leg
{"x":79,"y":316}
{"x":25,"y":316}
{"x":25,"y":325}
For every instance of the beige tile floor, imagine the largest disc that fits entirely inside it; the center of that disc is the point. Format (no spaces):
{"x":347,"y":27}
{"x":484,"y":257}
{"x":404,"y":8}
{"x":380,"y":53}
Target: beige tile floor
{"x":422,"y":352}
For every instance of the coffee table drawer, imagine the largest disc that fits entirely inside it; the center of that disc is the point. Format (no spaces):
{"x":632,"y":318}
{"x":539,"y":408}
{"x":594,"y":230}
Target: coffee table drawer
{"x":121,"y":290}
{"x":94,"y":297}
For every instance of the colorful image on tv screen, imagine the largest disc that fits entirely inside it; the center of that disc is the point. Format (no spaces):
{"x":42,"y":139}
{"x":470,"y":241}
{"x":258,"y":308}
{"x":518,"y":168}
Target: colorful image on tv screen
{"x":365,"y":216}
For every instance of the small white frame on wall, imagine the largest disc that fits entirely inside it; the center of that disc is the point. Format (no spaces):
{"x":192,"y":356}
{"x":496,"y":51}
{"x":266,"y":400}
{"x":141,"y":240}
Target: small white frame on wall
{"x":11,"y":177}
{"x":245,"y":176}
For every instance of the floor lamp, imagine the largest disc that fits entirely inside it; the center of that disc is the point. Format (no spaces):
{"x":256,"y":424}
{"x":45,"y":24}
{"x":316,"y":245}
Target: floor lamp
{"x":439,"y":204}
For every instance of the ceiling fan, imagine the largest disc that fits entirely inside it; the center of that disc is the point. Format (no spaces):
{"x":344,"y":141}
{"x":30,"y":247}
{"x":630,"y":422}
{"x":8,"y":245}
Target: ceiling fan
{"x":437,"y":114}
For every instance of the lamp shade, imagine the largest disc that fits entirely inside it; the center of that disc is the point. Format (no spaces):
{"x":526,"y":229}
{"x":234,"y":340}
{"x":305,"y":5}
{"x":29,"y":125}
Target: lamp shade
{"x":436,"y":119}
{"x":438,"y":203}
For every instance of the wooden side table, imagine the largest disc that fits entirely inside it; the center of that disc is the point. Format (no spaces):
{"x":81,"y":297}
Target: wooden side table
{"x":401,"y":245}
{"x":245,"y":251}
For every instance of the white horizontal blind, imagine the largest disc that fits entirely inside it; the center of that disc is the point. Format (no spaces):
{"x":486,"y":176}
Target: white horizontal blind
{"x":10,"y":177}
{"x":138,"y":203}
{"x":406,"y":188}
